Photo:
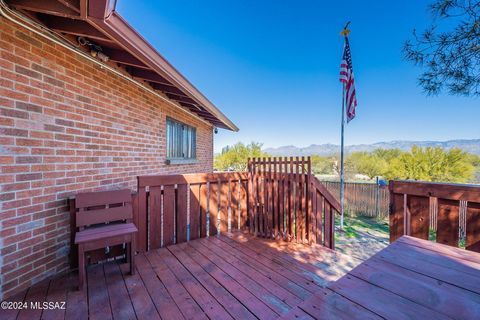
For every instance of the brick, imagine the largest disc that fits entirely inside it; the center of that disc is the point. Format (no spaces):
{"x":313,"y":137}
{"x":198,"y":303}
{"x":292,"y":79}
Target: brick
{"x":13,"y":113}
{"x":28,"y":107}
{"x":28,"y":72}
{"x":42,"y":69}
{"x":51,"y":127}
{"x":28,"y":39}
{"x":66,"y":123}
{"x":14,"y":132}
{"x":28,"y":177}
{"x":28,"y":159}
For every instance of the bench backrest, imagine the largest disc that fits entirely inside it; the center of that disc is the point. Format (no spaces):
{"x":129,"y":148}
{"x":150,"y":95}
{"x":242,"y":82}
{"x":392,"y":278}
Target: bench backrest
{"x":102,"y":207}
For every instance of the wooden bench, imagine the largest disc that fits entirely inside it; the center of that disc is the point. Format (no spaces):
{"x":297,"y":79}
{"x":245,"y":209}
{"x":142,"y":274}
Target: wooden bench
{"x":104,"y":219}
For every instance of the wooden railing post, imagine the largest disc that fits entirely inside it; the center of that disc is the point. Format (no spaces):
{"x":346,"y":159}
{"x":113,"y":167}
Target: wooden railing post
{"x":450,"y":207}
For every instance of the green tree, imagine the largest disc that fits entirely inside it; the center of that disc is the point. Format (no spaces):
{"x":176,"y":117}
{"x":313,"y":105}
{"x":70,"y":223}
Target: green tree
{"x":236,"y":157}
{"x":369,"y":164}
{"x":432,"y":164}
{"x":322,"y":165}
{"x":449,"y":50}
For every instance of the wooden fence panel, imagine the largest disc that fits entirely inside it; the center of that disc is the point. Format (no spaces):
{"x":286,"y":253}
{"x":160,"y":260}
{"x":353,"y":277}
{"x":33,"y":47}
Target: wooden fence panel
{"x":243,"y":205}
{"x":285,"y":196}
{"x":452,"y":210}
{"x":155,"y":223}
{"x":141,"y":223}
{"x":418,"y":216}
{"x":195,"y":220}
{"x":234,"y":201}
{"x":362,"y":198}
{"x":213,"y":208}
{"x":203,"y":209}
{"x":168,"y":215}
{"x":397,"y":216}
{"x":448,"y":222}
{"x":472,"y":241}
{"x":223,"y":205}
{"x":181,"y":214}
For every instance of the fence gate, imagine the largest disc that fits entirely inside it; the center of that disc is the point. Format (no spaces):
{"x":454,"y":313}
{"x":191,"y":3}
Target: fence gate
{"x":280,"y":197}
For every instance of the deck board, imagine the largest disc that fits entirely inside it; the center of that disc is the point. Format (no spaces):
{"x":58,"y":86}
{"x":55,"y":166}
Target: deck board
{"x":410,"y":279}
{"x":241,"y":277}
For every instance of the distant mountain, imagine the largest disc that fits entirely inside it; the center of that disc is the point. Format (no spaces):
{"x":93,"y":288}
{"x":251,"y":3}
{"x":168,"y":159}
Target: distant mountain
{"x":468,"y":145}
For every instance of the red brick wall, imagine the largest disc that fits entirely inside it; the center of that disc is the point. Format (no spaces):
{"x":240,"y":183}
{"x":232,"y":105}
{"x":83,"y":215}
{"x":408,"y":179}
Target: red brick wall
{"x":66,"y":125}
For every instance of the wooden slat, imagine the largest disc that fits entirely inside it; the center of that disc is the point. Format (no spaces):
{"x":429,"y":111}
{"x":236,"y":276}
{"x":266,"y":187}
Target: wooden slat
{"x":296,"y":313}
{"x":91,"y":199}
{"x":448,"y":222}
{"x":235,"y":200}
{"x":251,"y":272}
{"x":243,"y":204}
{"x":98,"y":300}
{"x":164,"y":303}
{"x":452,"y":191}
{"x":36,"y":293}
{"x":426,"y":291}
{"x":319,"y":217}
{"x":155,"y":223}
{"x":203,"y":209}
{"x":77,"y":301}
{"x":432,"y":265}
{"x":396,"y":216}
{"x":223,"y":206}
{"x":251,"y":302}
{"x":168,"y":215}
{"x":255,"y":288}
{"x":213,"y":207}
{"x":327,"y":304}
{"x":195,"y":290}
{"x":222,"y":295}
{"x":183,"y":300}
{"x":328,"y":223}
{"x":273,"y":223}
{"x":472,"y":242}
{"x":268,"y":268}
{"x":193,"y":178}
{"x":418,"y":209}
{"x":89,"y":217}
{"x":181,"y":213}
{"x":195,"y":211}
{"x":380,"y":301}
{"x":117,"y":291}
{"x":141,"y":301}
{"x":142,"y":243}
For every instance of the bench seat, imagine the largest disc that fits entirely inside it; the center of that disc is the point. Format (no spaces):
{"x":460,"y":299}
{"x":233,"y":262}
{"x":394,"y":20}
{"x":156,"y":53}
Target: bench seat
{"x":103,"y":232}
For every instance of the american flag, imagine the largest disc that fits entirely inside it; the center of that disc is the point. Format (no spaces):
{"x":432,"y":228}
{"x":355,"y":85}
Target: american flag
{"x":346,"y":77}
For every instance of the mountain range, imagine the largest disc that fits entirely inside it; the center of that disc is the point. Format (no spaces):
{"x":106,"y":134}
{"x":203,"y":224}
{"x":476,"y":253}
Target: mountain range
{"x":468,"y":145}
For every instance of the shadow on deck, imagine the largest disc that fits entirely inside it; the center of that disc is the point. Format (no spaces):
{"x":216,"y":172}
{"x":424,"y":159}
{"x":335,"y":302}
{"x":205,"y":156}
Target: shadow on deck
{"x":223,"y":277}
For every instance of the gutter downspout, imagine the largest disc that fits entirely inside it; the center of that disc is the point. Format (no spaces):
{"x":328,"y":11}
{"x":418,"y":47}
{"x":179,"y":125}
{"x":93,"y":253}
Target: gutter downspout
{"x":44,"y":32}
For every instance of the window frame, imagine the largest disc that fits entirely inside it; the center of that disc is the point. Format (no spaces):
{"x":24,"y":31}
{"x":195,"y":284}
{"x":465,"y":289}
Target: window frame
{"x":188,"y":145}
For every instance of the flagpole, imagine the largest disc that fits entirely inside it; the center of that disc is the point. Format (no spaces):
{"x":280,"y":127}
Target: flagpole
{"x":344,"y":33}
{"x":342,"y":169}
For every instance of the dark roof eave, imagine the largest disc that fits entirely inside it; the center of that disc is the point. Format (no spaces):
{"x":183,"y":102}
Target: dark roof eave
{"x":112,"y":24}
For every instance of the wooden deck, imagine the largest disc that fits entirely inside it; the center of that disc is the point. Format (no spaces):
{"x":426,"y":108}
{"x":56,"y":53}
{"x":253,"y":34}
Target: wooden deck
{"x":225,"y":277}
{"x":410,"y":279}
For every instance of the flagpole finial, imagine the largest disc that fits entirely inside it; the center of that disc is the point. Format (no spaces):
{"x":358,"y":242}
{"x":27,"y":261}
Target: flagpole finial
{"x":345,"y":32}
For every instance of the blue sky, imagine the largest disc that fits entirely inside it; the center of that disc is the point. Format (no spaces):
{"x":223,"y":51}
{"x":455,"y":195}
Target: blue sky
{"x":272,"y":68}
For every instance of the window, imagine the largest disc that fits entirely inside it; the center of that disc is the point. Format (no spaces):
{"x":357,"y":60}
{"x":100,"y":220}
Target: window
{"x":181,"y":141}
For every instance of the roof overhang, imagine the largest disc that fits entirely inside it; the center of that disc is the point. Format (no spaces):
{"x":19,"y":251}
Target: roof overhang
{"x":99,"y":23}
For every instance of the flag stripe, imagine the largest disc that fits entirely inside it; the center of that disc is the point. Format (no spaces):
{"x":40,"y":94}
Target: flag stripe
{"x":346,"y":77}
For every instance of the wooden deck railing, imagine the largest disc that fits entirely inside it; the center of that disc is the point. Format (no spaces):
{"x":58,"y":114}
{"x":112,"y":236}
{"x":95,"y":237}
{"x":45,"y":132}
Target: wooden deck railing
{"x":281,"y":204}
{"x":288,"y":202}
{"x":452,"y":210}
{"x":176,"y":208}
